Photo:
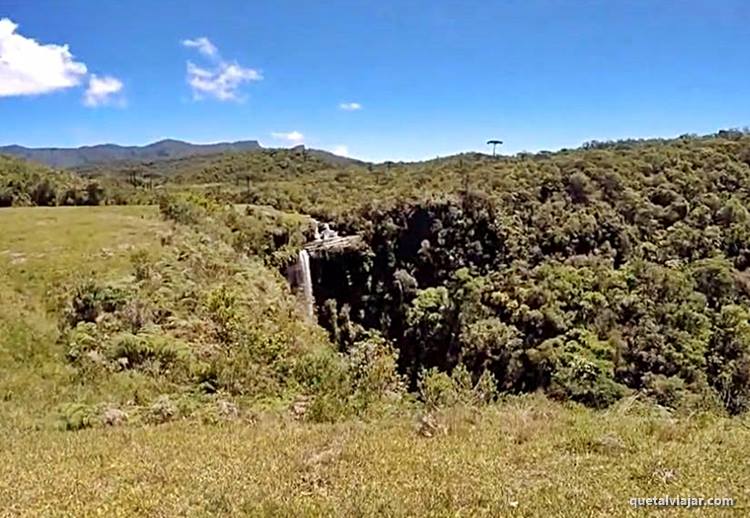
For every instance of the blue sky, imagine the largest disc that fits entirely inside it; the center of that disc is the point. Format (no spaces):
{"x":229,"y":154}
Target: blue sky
{"x":429,"y":77}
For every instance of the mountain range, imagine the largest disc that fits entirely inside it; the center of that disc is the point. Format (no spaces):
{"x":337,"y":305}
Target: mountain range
{"x":87,"y":155}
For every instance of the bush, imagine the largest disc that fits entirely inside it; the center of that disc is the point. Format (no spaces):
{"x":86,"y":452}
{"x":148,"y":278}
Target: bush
{"x":185,"y":208}
{"x":585,"y":373}
{"x":364,"y":382}
{"x":155,"y":353}
{"x":438,"y":389}
{"x":23,"y":184}
{"x":373,"y":373}
{"x":162,"y":410}
{"x":91,"y":300}
{"x":666,"y":391}
{"x":77,"y":416}
{"x":728,"y":358}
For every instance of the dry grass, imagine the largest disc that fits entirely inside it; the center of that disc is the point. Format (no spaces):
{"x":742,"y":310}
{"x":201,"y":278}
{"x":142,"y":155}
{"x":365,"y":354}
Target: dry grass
{"x":522,"y":457}
{"x":525,"y":457}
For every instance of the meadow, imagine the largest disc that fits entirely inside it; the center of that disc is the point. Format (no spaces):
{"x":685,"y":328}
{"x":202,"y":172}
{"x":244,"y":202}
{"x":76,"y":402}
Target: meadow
{"x":43,"y":252}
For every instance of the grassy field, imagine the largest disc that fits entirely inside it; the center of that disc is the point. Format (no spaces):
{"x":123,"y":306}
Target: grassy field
{"x":524,"y":456}
{"x":43,"y":251}
{"x":40,"y":246}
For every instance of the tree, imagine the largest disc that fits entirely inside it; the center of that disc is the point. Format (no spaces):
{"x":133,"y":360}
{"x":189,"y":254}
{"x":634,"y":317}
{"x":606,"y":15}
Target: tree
{"x":494,"y":143}
{"x":728,"y":358}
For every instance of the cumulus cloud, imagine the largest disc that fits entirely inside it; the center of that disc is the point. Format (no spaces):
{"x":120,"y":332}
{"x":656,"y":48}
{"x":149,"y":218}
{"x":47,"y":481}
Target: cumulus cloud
{"x":350,"y":107}
{"x":31,"y":68}
{"x":220,"y":80}
{"x":28,"y":67}
{"x":340,"y":150}
{"x":203,"y":45}
{"x":294,"y":137}
{"x":103,"y":90}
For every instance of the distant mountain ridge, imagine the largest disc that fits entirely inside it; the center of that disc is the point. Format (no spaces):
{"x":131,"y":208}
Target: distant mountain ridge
{"x":103,"y":153}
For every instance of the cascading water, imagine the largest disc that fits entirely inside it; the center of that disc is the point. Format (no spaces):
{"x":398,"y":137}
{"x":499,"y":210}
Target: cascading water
{"x":303,"y":265}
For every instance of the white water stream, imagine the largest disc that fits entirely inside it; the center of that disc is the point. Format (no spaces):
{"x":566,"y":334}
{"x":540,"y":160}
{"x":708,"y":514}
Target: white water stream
{"x":303,"y":262}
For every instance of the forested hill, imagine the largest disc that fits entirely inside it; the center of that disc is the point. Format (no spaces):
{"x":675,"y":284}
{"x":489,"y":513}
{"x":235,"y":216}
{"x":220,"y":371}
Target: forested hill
{"x":589,"y":273}
{"x":164,"y":149}
{"x":645,"y":181}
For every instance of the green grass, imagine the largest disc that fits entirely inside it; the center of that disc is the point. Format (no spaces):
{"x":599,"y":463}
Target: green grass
{"x":40,"y":246}
{"x":43,"y":251}
{"x":525,"y":456}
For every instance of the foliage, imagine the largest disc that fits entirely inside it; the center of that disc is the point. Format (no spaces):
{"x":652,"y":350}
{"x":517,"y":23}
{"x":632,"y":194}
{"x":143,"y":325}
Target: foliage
{"x":204,"y":317}
{"x":661,"y":321}
{"x":728,"y":358}
{"x":199,"y":315}
{"x":587,"y":274}
{"x":439,"y":389}
{"x":26,"y":184}
{"x":262,"y":232}
{"x":76,"y":416}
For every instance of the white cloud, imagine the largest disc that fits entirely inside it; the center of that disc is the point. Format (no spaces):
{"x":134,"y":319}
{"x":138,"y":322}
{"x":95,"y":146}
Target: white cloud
{"x":222,"y":79}
{"x":203,"y":45}
{"x":340,"y":150}
{"x":30,"y":68}
{"x":221,"y":82}
{"x":350,"y":107}
{"x":294,"y":137}
{"x":103,"y":90}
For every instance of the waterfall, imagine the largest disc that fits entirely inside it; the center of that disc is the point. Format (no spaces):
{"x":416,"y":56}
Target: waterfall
{"x":303,"y":264}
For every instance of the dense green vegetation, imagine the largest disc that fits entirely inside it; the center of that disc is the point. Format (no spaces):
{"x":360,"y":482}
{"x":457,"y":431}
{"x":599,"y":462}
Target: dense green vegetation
{"x":27,"y":184}
{"x":588,"y":273}
{"x":22,"y":183}
{"x":203,"y":319}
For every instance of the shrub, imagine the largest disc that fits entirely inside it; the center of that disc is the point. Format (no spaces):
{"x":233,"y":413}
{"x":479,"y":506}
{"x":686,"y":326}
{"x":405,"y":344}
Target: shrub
{"x":728,"y":358}
{"x":438,"y":389}
{"x":372,"y":371}
{"x":666,"y":391}
{"x":90,"y":300}
{"x":363,"y":382}
{"x":162,"y":410}
{"x":155,"y":353}
{"x":142,"y":264}
{"x":584,"y":371}
{"x":77,"y":416}
{"x":184,"y":208}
